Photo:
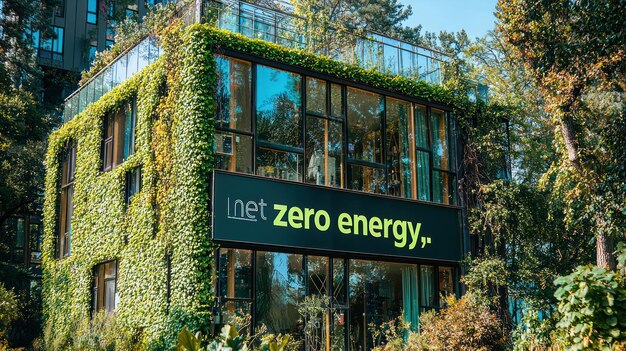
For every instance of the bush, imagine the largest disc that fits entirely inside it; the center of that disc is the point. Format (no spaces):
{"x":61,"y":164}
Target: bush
{"x":592,"y":306}
{"x":8,"y":313}
{"x":466,"y":324}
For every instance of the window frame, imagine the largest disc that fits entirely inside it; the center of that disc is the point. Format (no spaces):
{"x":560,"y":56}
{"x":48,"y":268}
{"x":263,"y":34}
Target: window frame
{"x":67,"y":178}
{"x":98,"y":287}
{"x":116,"y":122}
{"x":92,"y":12}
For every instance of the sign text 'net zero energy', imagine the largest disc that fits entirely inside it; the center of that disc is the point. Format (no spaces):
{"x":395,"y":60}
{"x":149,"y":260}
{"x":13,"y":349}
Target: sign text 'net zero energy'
{"x":248,"y":209}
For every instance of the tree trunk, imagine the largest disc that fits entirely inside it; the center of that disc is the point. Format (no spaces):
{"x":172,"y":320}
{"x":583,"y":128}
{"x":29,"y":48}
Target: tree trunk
{"x":604,"y":252}
{"x":604,"y":243}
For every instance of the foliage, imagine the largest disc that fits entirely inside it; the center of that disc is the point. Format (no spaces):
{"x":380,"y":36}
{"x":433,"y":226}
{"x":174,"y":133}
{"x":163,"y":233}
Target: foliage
{"x":465,"y":324}
{"x":313,"y":310}
{"x":592,"y":303}
{"x":228,"y":340}
{"x":8,"y":311}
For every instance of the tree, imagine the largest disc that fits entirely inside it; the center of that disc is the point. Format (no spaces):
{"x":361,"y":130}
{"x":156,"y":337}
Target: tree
{"x":574,"y":50}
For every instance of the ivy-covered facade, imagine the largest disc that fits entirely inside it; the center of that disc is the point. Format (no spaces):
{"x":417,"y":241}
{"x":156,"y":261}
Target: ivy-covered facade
{"x":236,"y":177}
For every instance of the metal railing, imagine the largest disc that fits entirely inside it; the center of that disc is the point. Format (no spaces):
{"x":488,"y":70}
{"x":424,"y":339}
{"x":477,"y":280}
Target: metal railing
{"x":371,"y":51}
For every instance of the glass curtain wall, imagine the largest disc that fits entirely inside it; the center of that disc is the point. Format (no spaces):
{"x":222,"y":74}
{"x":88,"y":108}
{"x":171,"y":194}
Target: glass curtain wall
{"x":280,"y":124}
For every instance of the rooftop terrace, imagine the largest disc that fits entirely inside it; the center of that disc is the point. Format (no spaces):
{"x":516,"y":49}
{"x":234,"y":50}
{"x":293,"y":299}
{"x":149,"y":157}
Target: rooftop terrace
{"x":369,"y":50}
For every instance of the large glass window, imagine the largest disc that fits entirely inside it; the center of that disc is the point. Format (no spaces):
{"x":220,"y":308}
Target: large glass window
{"x":279,"y":289}
{"x":278,"y":106}
{"x":118,"y":135}
{"x":66,"y":211}
{"x":365,"y":126}
{"x":235,"y":283}
{"x":399,"y":146}
{"x":442,"y":154}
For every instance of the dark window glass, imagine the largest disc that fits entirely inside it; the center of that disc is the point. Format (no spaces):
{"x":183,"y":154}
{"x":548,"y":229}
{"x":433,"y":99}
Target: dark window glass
{"x":324,"y":150}
{"x":278,"y":106}
{"x":118,"y":136}
{"x":92,"y":14}
{"x":439,"y":128}
{"x":336,"y":101}
{"x":233,"y":152}
{"x":68,"y":171}
{"x":400,"y":149}
{"x":133,"y":183}
{"x":234,"y":87}
{"x":318,"y":278}
{"x":446,"y":283}
{"x":279,"y":290}
{"x":316,"y":96}
{"x":365,"y":125}
{"x":104,"y":287}
{"x":421,"y":128}
{"x":368,"y":179}
{"x":380,"y":292}
{"x":235,"y":273}
{"x":130,"y":110}
{"x":340,"y":284}
{"x":279,"y":164}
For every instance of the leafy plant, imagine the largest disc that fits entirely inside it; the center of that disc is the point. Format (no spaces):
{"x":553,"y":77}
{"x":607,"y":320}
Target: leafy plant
{"x":592,"y":303}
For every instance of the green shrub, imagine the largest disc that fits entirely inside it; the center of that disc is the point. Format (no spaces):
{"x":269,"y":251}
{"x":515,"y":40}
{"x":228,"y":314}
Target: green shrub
{"x":592,"y":306}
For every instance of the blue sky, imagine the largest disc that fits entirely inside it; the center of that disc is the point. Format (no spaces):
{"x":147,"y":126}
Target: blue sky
{"x":475,"y":16}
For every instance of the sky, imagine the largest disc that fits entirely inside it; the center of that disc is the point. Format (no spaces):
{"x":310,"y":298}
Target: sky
{"x":475,"y":16}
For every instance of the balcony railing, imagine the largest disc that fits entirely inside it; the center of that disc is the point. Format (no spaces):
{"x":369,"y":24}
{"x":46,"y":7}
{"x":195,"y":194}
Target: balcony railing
{"x":370,"y":51}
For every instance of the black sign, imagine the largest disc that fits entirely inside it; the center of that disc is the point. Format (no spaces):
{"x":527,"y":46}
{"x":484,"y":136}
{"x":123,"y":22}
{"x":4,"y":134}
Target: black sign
{"x":256,"y":210}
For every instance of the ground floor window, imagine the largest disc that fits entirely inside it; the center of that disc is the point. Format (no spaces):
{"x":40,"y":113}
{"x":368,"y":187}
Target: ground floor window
{"x":326,"y":302}
{"x":105,"y":287}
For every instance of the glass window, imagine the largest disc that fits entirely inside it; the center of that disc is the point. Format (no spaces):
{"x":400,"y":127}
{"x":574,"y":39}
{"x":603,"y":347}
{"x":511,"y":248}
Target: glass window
{"x":133,"y":183}
{"x":439,"y":128}
{"x":365,"y":125}
{"x":130,"y":125}
{"x":318,"y":278}
{"x":444,"y":187}
{"x":423,"y":175}
{"x":235,"y":273}
{"x":233,"y":152}
{"x":234,"y":88}
{"x":324,"y":150}
{"x":399,"y":149}
{"x":428,"y":297}
{"x":278,"y":106}
{"x":279,"y":164}
{"x":421,"y":128}
{"x":118,"y":136}
{"x":446,"y":283}
{"x":340,"y":285}
{"x":104,"y":287}
{"x":66,"y":210}
{"x":368,"y":179}
{"x":336,"y":101}
{"x":92,"y":15}
{"x":316,"y":96}
{"x":279,"y":289}
{"x":380,"y":292}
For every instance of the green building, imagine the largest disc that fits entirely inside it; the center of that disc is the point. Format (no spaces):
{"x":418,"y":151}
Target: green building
{"x":217,"y":175}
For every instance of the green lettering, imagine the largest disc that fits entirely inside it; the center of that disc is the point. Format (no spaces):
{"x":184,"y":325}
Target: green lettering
{"x":307,"y":215}
{"x":322,"y":213}
{"x":400,"y":236}
{"x":375,"y":226}
{"x":415,"y":233}
{"x":388,"y":223}
{"x":278,"y":222}
{"x":344,"y":220}
{"x":295,"y":214}
{"x":360,"y":219}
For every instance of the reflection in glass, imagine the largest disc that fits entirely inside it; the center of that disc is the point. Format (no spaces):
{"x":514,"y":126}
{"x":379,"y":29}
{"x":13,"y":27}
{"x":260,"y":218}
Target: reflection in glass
{"x":423,"y":175}
{"x":233,"y":152}
{"x":340,"y":285}
{"x":233,"y":94}
{"x":318,"y":279}
{"x":235,"y":273}
{"x":278,"y":106}
{"x":324,"y":148}
{"x":365,"y":125}
{"x":379,"y":292}
{"x":439,"y":128}
{"x":315,"y":95}
{"x":399,"y":148}
{"x":279,"y":288}
{"x":446,"y":283}
{"x":443,"y":188}
{"x":421,"y":127}
{"x":336,"y":101}
{"x":279,"y":164}
{"x":368,"y":179}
